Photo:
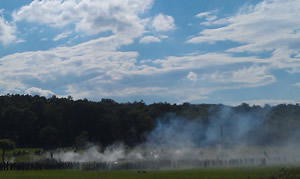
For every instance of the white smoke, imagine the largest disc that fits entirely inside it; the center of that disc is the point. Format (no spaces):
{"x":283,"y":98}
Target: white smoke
{"x":225,"y":135}
{"x":92,"y":153}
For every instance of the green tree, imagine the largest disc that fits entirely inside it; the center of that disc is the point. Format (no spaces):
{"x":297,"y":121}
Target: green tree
{"x":82,"y":140}
{"x":49,"y":137}
{"x":6,"y":145}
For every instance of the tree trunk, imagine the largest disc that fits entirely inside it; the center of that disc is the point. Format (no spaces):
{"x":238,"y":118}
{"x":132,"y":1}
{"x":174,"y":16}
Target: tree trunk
{"x":3,"y":154}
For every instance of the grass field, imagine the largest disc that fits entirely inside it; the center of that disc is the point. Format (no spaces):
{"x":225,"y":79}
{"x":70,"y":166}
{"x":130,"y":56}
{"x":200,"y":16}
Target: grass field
{"x":265,"y":172}
{"x":23,"y":158}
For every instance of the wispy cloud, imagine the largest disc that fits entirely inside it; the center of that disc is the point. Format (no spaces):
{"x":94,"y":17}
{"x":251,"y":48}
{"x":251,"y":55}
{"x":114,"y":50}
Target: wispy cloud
{"x":209,"y":17}
{"x":38,"y":91}
{"x":91,"y":17}
{"x":192,"y":76}
{"x":62,"y":35}
{"x":253,"y":76}
{"x":203,"y":14}
{"x":149,"y":39}
{"x":20,"y":41}
{"x":97,"y":66}
{"x":297,"y":84}
{"x":163,"y":23}
{"x":270,"y":26}
{"x":7,"y":31}
{"x":94,"y":58}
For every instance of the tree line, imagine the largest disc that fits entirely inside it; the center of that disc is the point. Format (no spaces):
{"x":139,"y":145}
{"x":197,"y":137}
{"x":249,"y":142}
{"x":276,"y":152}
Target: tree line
{"x":36,"y":121}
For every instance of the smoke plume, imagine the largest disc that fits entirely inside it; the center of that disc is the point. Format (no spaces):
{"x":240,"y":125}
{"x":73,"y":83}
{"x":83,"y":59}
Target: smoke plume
{"x":224,"y":135}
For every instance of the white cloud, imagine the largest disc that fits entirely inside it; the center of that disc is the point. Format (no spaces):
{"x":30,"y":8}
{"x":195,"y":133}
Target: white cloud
{"x":203,"y":14}
{"x":190,"y":94}
{"x":89,"y":16}
{"x":8,"y":86}
{"x":40,"y":92}
{"x":7,"y":31}
{"x":201,"y":61}
{"x":209,"y":16}
{"x":252,"y":76}
{"x":256,"y":75}
{"x":263,"y":102}
{"x":62,"y":35}
{"x":20,"y":41}
{"x":163,"y":36}
{"x":149,"y":39}
{"x":95,"y":69}
{"x":95,"y":58}
{"x":78,"y":91}
{"x":163,"y":23}
{"x":270,"y":26}
{"x":178,"y":95}
{"x":297,"y":84}
{"x":192,"y":76}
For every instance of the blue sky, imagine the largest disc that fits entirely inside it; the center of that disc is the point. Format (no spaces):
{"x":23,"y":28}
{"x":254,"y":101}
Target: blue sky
{"x":210,"y":51}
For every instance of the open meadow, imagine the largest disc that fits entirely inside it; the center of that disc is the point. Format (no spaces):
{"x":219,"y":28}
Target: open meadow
{"x":287,"y":170}
{"x":252,"y":172}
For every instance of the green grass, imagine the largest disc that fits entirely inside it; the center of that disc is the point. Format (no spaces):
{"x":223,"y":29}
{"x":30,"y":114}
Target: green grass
{"x":265,"y":172}
{"x":24,"y":158}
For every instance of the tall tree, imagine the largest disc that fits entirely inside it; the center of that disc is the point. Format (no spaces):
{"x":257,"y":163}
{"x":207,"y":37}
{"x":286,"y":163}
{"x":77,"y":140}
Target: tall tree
{"x":6,"y":145}
{"x":49,"y":137}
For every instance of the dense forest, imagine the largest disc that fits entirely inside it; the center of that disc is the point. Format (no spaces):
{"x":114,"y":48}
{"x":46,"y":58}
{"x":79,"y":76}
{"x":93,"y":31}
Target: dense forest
{"x":35,"y":121}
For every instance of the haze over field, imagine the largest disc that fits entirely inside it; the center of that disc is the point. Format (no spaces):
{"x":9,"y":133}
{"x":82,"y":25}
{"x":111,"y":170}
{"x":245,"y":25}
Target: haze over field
{"x":227,"y":134}
{"x":156,"y":50}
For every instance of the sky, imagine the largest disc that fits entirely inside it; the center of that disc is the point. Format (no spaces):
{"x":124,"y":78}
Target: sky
{"x":208,"y":51}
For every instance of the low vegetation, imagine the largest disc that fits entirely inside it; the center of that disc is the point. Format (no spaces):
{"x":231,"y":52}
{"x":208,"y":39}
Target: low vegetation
{"x":264,"y":172}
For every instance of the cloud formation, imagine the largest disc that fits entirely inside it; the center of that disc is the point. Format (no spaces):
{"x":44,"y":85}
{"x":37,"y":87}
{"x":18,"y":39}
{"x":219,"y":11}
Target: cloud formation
{"x":253,"y":76}
{"x":96,"y":57}
{"x":192,"y":76}
{"x":89,"y":16}
{"x":7,"y":31}
{"x":265,"y":38}
{"x":62,"y":35}
{"x":149,"y":39}
{"x":270,"y":26}
{"x":209,"y":16}
{"x":163,"y":23}
{"x":40,"y":92}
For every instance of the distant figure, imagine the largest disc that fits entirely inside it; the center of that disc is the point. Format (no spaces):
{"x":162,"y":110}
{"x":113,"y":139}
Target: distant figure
{"x":265,"y":153}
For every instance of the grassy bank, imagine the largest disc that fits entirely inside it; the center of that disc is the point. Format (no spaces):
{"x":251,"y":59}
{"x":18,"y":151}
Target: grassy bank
{"x":265,"y":172}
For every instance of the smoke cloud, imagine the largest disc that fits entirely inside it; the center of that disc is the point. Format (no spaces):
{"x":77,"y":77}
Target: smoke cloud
{"x":226,"y":134}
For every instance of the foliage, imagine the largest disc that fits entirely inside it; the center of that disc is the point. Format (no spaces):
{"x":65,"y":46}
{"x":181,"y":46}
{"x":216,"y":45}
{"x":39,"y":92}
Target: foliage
{"x":81,"y":140}
{"x":34,"y":121}
{"x":6,"y":145}
{"x":49,"y":137}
